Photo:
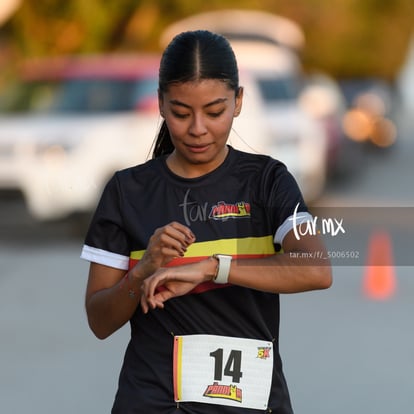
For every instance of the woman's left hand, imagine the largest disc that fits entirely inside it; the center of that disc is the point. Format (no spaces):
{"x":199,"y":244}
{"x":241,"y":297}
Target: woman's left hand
{"x":174,"y":281}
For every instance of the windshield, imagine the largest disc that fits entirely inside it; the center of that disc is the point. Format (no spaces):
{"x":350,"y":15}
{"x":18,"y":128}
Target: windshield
{"x":78,"y":95}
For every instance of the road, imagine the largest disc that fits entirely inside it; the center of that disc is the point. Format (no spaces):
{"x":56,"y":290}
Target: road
{"x":343,"y":352}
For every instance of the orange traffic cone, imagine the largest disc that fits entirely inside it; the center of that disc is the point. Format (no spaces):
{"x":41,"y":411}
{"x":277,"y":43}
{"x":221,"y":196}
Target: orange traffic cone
{"x":379,"y":278}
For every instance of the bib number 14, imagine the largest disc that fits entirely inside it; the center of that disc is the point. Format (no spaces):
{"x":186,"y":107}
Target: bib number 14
{"x":223,"y":370}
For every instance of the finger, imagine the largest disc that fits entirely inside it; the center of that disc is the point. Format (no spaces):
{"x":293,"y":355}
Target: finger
{"x":159,"y":299}
{"x":163,"y":296}
{"x":151,"y":285}
{"x":144,"y":304}
{"x":167,"y":238}
{"x":159,"y":253}
{"x":150,"y":302}
{"x":181,"y":227}
{"x":171,"y":253}
{"x":181,"y":233}
{"x":170,"y":241}
{"x":156,"y":303}
{"x":145,"y":296}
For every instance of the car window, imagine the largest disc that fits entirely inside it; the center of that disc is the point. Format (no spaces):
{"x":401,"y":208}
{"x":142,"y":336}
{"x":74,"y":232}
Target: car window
{"x":79,"y":95}
{"x":278,"y":89}
{"x":103,"y":95}
{"x":30,"y":96}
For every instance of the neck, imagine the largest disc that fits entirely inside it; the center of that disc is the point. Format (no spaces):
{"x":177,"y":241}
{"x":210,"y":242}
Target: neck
{"x":193,"y":170}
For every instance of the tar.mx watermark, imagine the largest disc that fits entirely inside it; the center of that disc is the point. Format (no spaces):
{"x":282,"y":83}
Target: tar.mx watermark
{"x":305,"y":224}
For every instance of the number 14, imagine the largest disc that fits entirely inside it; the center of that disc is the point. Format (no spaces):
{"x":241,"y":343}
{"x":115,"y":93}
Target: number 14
{"x":232,"y":367}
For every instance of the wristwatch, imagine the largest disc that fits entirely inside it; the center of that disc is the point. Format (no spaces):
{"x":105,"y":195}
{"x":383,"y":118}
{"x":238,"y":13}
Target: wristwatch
{"x":223,"y":268}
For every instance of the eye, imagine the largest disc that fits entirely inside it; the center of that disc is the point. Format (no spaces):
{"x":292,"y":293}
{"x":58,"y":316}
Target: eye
{"x":216,"y":114}
{"x":179,"y":115}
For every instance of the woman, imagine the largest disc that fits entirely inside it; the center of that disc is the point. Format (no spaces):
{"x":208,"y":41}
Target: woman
{"x":184,"y":247}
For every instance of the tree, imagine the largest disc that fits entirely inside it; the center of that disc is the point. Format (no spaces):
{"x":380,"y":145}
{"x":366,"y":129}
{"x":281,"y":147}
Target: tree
{"x":344,"y":37}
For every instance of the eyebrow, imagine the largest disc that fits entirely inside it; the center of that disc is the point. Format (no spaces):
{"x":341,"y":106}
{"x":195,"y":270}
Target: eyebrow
{"x":215,"y":102}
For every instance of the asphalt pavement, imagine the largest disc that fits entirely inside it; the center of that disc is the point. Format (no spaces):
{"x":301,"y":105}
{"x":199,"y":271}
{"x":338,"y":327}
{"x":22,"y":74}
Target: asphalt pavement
{"x":343,"y":352}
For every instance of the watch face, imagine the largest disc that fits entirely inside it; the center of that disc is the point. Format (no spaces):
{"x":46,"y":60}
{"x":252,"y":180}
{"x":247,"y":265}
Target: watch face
{"x":223,"y":268}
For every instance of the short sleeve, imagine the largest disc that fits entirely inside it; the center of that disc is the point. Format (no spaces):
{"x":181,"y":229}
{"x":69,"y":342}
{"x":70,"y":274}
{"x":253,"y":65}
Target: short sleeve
{"x":283,"y":200}
{"x":106,"y":241}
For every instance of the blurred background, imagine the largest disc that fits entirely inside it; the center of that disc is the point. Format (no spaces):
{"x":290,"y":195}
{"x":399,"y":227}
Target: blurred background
{"x":329,"y":90}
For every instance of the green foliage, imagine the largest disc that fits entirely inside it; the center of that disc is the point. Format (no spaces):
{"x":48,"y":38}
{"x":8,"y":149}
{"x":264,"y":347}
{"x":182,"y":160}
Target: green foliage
{"x":344,"y":37}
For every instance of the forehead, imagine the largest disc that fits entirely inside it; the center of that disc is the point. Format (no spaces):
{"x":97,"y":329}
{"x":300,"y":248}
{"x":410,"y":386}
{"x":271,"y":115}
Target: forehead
{"x":199,"y":89}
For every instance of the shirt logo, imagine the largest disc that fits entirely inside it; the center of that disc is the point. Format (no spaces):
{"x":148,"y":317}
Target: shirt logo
{"x":224,"y":211}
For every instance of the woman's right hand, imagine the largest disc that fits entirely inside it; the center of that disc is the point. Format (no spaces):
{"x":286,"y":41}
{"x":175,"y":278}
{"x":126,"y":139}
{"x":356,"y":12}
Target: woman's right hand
{"x":167,"y":243}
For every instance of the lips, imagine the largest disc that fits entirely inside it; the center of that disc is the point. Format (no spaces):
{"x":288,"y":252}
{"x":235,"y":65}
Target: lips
{"x":198,"y":148}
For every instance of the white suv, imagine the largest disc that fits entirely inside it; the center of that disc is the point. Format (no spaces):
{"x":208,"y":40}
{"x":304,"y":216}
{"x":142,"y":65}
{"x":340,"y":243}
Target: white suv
{"x":70,"y":124}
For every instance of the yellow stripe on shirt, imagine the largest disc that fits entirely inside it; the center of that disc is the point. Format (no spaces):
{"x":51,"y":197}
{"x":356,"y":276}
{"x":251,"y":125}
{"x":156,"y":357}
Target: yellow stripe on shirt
{"x":234,"y":247}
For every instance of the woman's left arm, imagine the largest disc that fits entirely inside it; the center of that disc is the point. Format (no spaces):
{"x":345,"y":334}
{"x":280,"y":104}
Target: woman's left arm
{"x":302,"y":266}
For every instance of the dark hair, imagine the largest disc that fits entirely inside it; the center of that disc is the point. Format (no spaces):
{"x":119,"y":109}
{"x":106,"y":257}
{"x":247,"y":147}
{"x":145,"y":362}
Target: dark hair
{"x":192,"y":56}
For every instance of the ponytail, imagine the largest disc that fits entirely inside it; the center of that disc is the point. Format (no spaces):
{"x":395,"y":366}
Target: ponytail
{"x":163,"y":144}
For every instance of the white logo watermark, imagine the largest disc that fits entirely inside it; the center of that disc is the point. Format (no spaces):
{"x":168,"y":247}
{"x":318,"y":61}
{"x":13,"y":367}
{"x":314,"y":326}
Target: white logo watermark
{"x":305,"y":224}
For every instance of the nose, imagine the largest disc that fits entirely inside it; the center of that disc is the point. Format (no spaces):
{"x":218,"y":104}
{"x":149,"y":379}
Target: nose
{"x":197,"y":127}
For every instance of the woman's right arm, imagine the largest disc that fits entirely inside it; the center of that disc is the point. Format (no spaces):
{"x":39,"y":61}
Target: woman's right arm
{"x":112,"y":295}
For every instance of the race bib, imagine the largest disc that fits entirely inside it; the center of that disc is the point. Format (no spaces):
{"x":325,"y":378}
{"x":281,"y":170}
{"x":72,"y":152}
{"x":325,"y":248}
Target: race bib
{"x":223,"y":370}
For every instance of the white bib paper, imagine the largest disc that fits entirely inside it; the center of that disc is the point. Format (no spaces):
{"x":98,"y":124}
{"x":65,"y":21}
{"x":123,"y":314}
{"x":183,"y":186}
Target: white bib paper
{"x":223,"y":370}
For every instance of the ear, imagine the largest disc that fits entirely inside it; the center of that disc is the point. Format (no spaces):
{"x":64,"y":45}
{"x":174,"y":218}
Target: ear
{"x":160,"y":103}
{"x":239,"y":101}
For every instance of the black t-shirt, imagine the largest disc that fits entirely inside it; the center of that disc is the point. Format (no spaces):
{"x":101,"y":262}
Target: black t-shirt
{"x":242,"y":208}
